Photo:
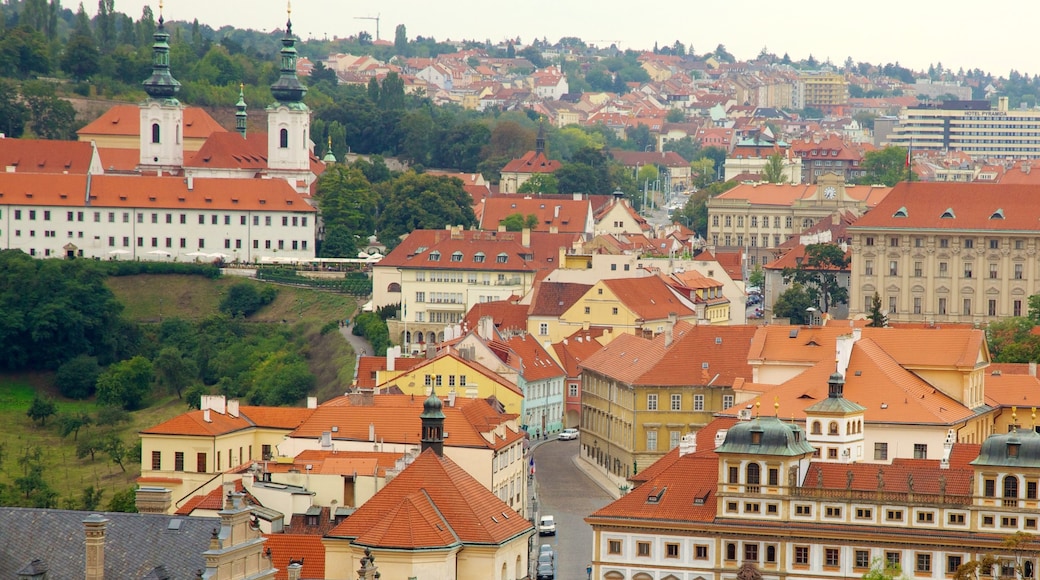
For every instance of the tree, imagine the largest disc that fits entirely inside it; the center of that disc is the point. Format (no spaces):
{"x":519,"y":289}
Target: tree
{"x":877,"y":317}
{"x":702,"y":172}
{"x":71,"y":423}
{"x":773,"y":172}
{"x":81,"y":58}
{"x":517,"y":222}
{"x":420,"y":201}
{"x":540,"y":183}
{"x":757,"y":277}
{"x":40,"y":409}
{"x":792,"y":304}
{"x":91,"y":498}
{"x":1011,"y":340}
{"x":124,"y":501}
{"x":244,"y":299}
{"x":686,"y":147}
{"x":818,"y":273}
{"x":13,"y":114}
{"x":675,"y":116}
{"x":126,"y":383}
{"x":175,"y":371}
{"x":886,"y":166}
{"x":1014,"y":549}
{"x":77,"y":378}
{"x":116,"y":449}
{"x":401,"y":40}
{"x":882,"y":569}
{"x":51,"y":117}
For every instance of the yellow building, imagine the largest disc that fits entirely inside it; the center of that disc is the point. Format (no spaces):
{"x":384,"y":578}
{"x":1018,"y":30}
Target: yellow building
{"x":453,"y":376}
{"x":827,"y":91}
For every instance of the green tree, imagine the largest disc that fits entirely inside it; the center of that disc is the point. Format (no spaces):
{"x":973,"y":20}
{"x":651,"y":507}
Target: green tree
{"x":90,"y":500}
{"x":23,"y":53}
{"x":818,"y":272}
{"x":13,"y":113}
{"x":81,"y":58}
{"x":877,"y":316}
{"x":40,"y":409}
{"x":773,"y":172}
{"x":517,"y":222}
{"x":51,"y":116}
{"x":675,"y":116}
{"x":126,"y":383}
{"x":77,"y":378}
{"x":702,"y":172}
{"x":757,"y":277}
{"x":124,"y":501}
{"x":1011,"y":340}
{"x":886,"y":166}
{"x":647,"y":174}
{"x":391,"y":92}
{"x":686,"y":147}
{"x":420,"y":201}
{"x":338,"y":242}
{"x":401,"y":40}
{"x":792,"y":304}
{"x":71,"y":423}
{"x":540,"y":183}
{"x":882,"y":569}
{"x":116,"y":449}
{"x":175,"y":371}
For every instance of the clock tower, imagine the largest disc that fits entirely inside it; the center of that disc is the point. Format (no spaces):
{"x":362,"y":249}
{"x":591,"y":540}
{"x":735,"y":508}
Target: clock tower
{"x":830,"y":189}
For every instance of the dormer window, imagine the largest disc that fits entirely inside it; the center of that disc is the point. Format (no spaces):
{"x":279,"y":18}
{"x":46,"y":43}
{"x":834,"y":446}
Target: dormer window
{"x":502,"y":258}
{"x":1012,"y":449}
{"x":900,"y":213}
{"x":479,"y":257}
{"x":435,"y":256}
{"x":948,"y":214}
{"x":756,"y":437}
{"x":997,"y":215}
{"x":456,"y":257}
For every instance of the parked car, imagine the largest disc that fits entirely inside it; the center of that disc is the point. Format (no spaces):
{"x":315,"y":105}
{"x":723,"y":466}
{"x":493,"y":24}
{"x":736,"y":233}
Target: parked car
{"x":545,"y":572}
{"x":545,"y":558}
{"x":547,"y":526}
{"x":545,"y":549}
{"x":568,"y":434}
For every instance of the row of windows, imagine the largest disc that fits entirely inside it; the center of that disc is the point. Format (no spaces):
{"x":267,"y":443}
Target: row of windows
{"x":967,"y":243}
{"x":79,"y":216}
{"x":479,"y":257}
{"x":753,"y":220}
{"x":992,"y":306}
{"x":752,"y":241}
{"x":438,"y":380}
{"x":944,"y":269}
{"x":201,"y":459}
{"x":675,"y":400}
{"x":183,"y":243}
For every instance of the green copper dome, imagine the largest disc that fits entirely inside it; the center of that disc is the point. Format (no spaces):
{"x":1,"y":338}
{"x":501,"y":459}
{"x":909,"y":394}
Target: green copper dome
{"x":288,"y":89}
{"x":1015,"y":449}
{"x":766,"y":436}
{"x":432,"y":407}
{"x":161,"y":85}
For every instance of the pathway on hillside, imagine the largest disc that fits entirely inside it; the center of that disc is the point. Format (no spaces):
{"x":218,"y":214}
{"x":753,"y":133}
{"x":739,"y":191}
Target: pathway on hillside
{"x":360,"y":345}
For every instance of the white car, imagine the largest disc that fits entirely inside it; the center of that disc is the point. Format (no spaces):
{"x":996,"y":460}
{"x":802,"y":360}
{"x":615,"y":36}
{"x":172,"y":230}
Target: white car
{"x":547,"y":526}
{"x":568,"y":434}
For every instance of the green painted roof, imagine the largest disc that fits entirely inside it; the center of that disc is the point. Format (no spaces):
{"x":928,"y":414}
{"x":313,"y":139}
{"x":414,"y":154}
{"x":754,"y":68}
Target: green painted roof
{"x":1015,"y":449}
{"x":838,"y":405}
{"x":766,"y":436}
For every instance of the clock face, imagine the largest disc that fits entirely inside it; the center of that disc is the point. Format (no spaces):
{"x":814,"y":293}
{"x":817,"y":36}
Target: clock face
{"x":829,"y":192}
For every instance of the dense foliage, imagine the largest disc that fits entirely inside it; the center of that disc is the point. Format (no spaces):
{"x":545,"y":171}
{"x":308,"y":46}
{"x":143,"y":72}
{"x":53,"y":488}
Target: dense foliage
{"x":244,"y":299}
{"x":355,"y":283}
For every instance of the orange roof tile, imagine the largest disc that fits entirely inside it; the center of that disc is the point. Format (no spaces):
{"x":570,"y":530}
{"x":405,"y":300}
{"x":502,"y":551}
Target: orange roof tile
{"x":306,"y":547}
{"x":421,"y":246}
{"x":45,"y":156}
{"x":125,"y":120}
{"x":537,"y":365}
{"x":194,"y":423}
{"x":1012,"y":390}
{"x":554,"y":298}
{"x":120,"y":160}
{"x":577,"y":348}
{"x":473,"y":514}
{"x":570,"y":216}
{"x":532,"y":162}
{"x":786,"y":194}
{"x":507,"y":315}
{"x":369,"y":366}
{"x":649,"y":297}
{"x":972,"y":206}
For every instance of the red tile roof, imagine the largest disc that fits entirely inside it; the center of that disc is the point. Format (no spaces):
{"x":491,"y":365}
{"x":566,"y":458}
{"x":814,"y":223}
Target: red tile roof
{"x":230,"y":151}
{"x":532,"y":162}
{"x":135,"y":191}
{"x":306,"y":547}
{"x":639,"y":361}
{"x":565,"y":215}
{"x":576,"y":348}
{"x":537,"y":365}
{"x":1012,"y":390}
{"x":213,"y":501}
{"x":508,"y":315}
{"x":415,"y":250}
{"x":120,"y":160}
{"x":396,"y":420}
{"x":44,"y":156}
{"x":125,"y":120}
{"x":787,"y":194}
{"x":432,"y":491}
{"x":554,"y":298}
{"x":368,"y":366}
{"x":193,"y":422}
{"x":972,"y":206}
{"x":649,"y":297}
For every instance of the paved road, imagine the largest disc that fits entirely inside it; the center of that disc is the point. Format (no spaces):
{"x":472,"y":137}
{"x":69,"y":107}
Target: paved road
{"x":569,"y":495}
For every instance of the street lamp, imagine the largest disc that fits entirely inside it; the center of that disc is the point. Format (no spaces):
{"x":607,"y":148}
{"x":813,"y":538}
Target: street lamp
{"x":588,"y":571}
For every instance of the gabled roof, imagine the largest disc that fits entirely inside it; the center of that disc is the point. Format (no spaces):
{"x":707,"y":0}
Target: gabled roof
{"x":433,"y":491}
{"x":125,"y":120}
{"x":229,"y":150}
{"x":507,"y":315}
{"x":396,"y":420}
{"x":967,"y":206}
{"x":114,"y":159}
{"x":306,"y":547}
{"x":140,"y":541}
{"x":193,"y":423}
{"x":650,"y":298}
{"x":368,"y":366}
{"x":698,"y":355}
{"x":45,"y":156}
{"x":576,"y":348}
{"x":151,"y":192}
{"x":785,"y":195}
{"x":478,"y":368}
{"x":532,"y":162}
{"x":552,"y":299}
{"x":536,"y":364}
{"x":213,"y":501}
{"x":498,"y":251}
{"x":571,"y":215}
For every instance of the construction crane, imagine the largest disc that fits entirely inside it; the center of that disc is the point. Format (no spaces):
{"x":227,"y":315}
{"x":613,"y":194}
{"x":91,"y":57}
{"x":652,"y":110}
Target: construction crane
{"x":376,"y":18}
{"x":616,"y":43}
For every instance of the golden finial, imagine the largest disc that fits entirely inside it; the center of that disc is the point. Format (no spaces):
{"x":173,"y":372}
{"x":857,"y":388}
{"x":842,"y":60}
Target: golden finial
{"x":758,"y":406}
{"x":288,"y":7}
{"x":241,"y":87}
{"x":776,"y":405}
{"x":1014,"y":418}
{"x":1034,"y":419}
{"x":330,"y":144}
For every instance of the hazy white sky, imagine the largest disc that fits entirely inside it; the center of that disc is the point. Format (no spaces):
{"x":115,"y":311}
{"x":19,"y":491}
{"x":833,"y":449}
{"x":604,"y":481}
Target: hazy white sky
{"x":994,"y":37}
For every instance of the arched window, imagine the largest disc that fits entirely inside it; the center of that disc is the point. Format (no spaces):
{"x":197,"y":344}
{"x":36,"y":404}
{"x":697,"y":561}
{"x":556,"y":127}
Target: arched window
{"x":283,"y":138}
{"x":731,"y":551}
{"x":816,"y":428}
{"x":832,"y":428}
{"x":754,"y":474}
{"x":770,"y":553}
{"x":1010,"y":486}
{"x":155,"y":133}
{"x":393,"y":287}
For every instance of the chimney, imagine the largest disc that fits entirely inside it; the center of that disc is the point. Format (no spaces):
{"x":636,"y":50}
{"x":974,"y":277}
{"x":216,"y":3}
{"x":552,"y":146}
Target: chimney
{"x":451,"y":398}
{"x":232,"y":408}
{"x":669,"y":329}
{"x":431,"y":351}
{"x":1032,"y":369}
{"x":94,"y":528}
{"x":391,"y":356}
{"x":835,"y":219}
{"x":371,"y":431}
{"x":153,"y":500}
{"x":312,"y":402}
{"x":688,"y":444}
{"x":556,"y":212}
{"x":486,"y":327}
{"x":191,"y":183}
{"x":294,"y":569}
{"x":205,"y":416}
{"x":525,"y":237}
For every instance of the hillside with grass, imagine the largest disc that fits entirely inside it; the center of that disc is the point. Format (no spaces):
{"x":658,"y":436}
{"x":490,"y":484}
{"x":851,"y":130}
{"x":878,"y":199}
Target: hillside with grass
{"x":84,"y":453}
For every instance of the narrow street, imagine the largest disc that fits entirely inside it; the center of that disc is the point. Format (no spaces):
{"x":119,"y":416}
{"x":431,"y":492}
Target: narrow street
{"x":569,"y":495}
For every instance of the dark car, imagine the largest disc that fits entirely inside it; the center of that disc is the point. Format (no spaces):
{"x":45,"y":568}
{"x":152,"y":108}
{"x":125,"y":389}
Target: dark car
{"x":545,"y":572}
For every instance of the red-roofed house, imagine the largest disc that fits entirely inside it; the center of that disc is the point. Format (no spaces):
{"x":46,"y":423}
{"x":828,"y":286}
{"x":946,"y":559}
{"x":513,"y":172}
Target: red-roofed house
{"x":947,"y":252}
{"x":640,"y":306}
{"x":46,"y":156}
{"x":568,"y":216}
{"x":518,"y":171}
{"x":120,"y":127}
{"x":669,"y":386}
{"x":571,"y":352}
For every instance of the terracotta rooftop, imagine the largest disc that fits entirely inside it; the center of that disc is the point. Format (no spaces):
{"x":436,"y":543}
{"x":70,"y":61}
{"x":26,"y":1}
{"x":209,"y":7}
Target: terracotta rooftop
{"x":532,"y":162}
{"x":45,"y":156}
{"x":432,"y":503}
{"x":194,"y":423}
{"x":649,"y":297}
{"x":483,"y":251}
{"x":306,"y":547}
{"x":955,"y":206}
{"x":507,"y":315}
{"x":537,"y":365}
{"x":571,"y":216}
{"x":368,"y":366}
{"x":125,"y":120}
{"x":554,"y":298}
{"x":576,"y":348}
{"x":787,"y":194}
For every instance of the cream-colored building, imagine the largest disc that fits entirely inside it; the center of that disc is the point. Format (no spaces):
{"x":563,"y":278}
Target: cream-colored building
{"x":971,"y":127}
{"x":760,"y":217}
{"x":952,"y":252}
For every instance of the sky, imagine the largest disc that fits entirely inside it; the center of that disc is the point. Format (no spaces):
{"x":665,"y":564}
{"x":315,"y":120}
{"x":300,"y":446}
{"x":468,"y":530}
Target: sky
{"x":995,"y":38}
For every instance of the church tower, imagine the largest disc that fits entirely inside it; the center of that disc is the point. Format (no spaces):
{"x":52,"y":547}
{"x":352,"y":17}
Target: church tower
{"x":241,"y":117}
{"x":433,"y":424}
{"x":288,"y":119}
{"x":162,"y":116}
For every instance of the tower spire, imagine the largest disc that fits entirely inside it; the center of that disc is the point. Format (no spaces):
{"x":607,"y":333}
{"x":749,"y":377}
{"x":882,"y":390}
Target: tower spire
{"x":539,"y":142}
{"x":433,"y":424}
{"x":240,"y":114}
{"x":161,"y":85}
{"x":287,"y":89}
